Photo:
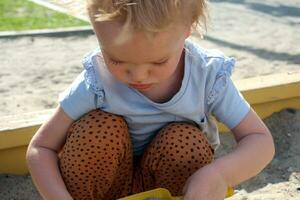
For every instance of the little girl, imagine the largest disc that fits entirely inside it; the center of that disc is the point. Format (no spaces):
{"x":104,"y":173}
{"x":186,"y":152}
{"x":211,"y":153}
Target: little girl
{"x":138,"y":117}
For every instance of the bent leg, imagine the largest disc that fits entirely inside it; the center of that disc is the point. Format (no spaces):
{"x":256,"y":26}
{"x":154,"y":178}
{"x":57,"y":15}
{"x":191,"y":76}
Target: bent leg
{"x":173,"y":156}
{"x":96,"y":160}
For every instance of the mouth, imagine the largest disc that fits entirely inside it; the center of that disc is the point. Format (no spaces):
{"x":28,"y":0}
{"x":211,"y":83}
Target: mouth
{"x":140,"y":86}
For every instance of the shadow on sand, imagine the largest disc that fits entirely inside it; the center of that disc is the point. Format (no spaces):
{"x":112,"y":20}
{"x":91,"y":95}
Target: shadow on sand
{"x":262,"y":53}
{"x":274,"y":10}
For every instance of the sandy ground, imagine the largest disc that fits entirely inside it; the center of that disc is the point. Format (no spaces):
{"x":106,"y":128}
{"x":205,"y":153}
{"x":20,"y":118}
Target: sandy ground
{"x":264,"y":37}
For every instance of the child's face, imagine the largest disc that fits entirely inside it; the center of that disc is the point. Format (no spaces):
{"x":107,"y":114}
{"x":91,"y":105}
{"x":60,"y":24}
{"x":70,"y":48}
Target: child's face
{"x":140,"y":61}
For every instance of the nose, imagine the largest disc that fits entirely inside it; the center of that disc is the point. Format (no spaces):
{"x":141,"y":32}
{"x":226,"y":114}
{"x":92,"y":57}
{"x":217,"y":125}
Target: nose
{"x":139,"y":74}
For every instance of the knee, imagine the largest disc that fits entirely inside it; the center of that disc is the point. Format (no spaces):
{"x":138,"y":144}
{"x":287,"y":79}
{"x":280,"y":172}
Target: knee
{"x":98,"y":131}
{"x":176,"y":152}
{"x":184,"y":143}
{"x":98,"y":125}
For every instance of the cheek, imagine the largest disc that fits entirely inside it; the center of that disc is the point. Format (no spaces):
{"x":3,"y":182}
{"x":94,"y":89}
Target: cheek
{"x":117,"y":72}
{"x":163,"y":73}
{"x":167,"y":71}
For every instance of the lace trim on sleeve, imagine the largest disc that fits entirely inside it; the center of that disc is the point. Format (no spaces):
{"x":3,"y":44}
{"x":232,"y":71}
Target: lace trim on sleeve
{"x":90,"y":77}
{"x":221,"y":79}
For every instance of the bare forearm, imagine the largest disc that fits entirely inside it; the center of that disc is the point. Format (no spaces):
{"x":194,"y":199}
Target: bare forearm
{"x":45,"y":173}
{"x":251,"y":155}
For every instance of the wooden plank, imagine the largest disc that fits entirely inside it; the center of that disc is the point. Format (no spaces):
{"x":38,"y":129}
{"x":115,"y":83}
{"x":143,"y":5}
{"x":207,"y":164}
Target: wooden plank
{"x":270,"y":88}
{"x":17,"y":130}
{"x":13,"y":160}
{"x":24,"y":120}
{"x":57,"y":32}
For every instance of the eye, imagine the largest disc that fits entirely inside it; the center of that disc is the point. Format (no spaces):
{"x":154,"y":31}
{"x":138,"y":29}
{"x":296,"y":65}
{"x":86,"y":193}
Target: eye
{"x":161,"y":63}
{"x":115,"y":62}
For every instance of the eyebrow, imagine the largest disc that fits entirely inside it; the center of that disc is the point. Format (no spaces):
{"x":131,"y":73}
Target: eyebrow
{"x":119,"y":60}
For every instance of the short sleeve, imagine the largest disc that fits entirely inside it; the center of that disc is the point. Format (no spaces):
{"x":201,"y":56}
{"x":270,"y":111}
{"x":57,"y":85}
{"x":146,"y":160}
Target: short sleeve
{"x":78,"y":99}
{"x":224,"y":100}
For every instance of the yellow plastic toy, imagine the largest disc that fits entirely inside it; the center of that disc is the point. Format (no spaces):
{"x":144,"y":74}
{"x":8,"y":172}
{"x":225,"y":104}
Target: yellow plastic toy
{"x":162,"y":194}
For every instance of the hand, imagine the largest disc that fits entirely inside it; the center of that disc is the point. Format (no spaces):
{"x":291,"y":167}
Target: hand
{"x":205,"y":184}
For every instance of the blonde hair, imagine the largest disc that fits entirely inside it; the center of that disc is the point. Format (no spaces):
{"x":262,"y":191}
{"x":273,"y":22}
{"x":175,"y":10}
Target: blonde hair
{"x":149,"y":15}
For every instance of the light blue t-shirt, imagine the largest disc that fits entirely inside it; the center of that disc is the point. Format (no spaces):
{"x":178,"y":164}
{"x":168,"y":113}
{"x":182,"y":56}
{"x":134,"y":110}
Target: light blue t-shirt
{"x":206,"y":89}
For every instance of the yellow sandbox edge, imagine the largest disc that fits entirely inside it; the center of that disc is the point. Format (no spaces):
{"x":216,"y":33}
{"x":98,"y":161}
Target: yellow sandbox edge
{"x":266,"y":94}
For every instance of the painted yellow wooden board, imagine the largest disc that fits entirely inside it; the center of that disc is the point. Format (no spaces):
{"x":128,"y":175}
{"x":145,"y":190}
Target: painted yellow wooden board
{"x":13,"y":160}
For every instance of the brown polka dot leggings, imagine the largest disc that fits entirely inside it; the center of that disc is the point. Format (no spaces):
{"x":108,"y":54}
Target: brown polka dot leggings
{"x":97,"y":160}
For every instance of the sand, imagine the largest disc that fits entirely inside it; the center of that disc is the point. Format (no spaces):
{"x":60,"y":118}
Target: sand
{"x":264,"y":37}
